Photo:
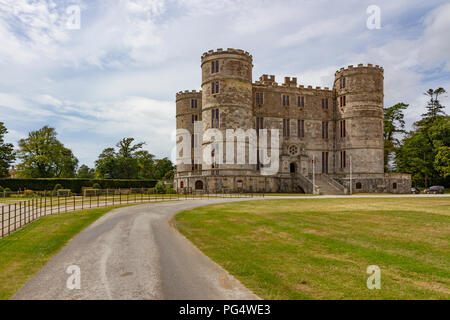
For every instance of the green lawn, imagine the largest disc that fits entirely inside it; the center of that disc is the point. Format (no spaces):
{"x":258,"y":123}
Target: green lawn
{"x":26,"y":251}
{"x":320,"y":248}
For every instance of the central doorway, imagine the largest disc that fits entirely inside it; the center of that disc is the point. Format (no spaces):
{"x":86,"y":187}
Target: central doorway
{"x":292,"y":167}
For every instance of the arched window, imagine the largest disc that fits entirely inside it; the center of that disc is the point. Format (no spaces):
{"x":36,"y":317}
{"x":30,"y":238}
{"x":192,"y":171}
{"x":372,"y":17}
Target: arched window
{"x":358,"y":185}
{"x":198,"y":185}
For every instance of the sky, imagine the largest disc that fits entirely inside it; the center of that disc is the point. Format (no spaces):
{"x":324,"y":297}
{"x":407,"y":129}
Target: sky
{"x":115,"y":74}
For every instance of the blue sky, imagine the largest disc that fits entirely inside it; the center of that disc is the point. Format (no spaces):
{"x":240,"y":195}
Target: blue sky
{"x":118,"y":74}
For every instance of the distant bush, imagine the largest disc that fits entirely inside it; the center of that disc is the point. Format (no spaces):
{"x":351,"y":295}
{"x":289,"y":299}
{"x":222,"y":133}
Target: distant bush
{"x":64,"y":193}
{"x":57,"y":187}
{"x":96,"y":186}
{"x":160,"y":188}
{"x":1,"y":189}
{"x":28,"y":193}
{"x":171,"y":191}
{"x":151,"y":190}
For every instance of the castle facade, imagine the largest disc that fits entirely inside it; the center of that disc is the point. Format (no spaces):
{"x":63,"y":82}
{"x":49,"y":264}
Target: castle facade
{"x":330,"y":140}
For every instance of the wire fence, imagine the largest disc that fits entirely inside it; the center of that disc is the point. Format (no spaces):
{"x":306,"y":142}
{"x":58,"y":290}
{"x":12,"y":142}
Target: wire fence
{"x":15,"y":216}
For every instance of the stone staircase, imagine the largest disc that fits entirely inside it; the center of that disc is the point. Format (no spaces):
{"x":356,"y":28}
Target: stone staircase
{"x":328,"y":186}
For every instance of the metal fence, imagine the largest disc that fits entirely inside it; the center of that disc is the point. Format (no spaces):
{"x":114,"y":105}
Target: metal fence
{"x":16,"y":215}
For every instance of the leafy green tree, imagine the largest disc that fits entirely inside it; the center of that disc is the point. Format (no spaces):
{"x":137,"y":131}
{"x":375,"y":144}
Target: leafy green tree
{"x":126,"y":147}
{"x":106,"y":164}
{"x":434,"y":107}
{"x":162,"y":167}
{"x":146,"y":164}
{"x":84,"y":172}
{"x":7,"y":154}
{"x":131,"y":162}
{"x":423,"y":152}
{"x":394,"y":124}
{"x":442,"y":161}
{"x":43,"y":156}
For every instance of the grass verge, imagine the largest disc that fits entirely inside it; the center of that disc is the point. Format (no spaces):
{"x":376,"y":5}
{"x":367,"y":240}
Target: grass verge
{"x":321,"y":248}
{"x":25,"y":252}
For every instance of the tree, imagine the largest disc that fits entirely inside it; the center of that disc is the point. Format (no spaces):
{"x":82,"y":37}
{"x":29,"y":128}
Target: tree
{"x":442,"y":161}
{"x":423,"y":152}
{"x":394,"y":124}
{"x":106,"y":164}
{"x":84,"y":172}
{"x":146,"y":164}
{"x":162,"y":167}
{"x":126,"y":150}
{"x":7,"y":154}
{"x":43,"y":156}
{"x":434,"y":107}
{"x":131,"y":162}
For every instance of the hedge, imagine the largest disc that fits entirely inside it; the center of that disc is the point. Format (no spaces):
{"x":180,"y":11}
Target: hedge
{"x":75,"y":185}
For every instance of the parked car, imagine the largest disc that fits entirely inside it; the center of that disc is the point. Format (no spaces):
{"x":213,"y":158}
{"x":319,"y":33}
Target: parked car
{"x":435,"y":190}
{"x":415,"y":190}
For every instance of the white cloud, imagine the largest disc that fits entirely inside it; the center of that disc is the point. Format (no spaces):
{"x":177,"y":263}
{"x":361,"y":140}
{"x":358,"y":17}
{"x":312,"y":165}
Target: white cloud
{"x":118,"y":75}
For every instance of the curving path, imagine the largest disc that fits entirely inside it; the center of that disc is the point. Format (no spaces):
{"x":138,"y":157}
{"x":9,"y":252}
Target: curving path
{"x":134,"y":253}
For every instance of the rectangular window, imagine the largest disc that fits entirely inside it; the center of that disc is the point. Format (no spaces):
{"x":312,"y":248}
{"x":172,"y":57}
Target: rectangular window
{"x":324,"y":103}
{"x":215,"y":118}
{"x":194,"y":103}
{"x":194,"y":118}
{"x":343,"y":162}
{"x":215,"y":87}
{"x":301,"y":128}
{"x":259,"y":97}
{"x":325,"y":130}
{"x":324,"y":162}
{"x":259,"y":125}
{"x":286,"y":128}
{"x":342,"y":128}
{"x":342,"y":101}
{"x":300,"y":101}
{"x":214,"y":66}
{"x":342,"y":83}
{"x":285,"y":101}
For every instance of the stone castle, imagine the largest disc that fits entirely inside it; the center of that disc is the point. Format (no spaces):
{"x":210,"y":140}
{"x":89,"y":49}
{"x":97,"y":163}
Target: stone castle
{"x":331,"y":140}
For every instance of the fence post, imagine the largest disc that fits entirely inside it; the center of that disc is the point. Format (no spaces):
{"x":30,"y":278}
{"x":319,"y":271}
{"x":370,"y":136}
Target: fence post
{"x":9,"y":219}
{"x":15,"y":215}
{"x":3,"y":220}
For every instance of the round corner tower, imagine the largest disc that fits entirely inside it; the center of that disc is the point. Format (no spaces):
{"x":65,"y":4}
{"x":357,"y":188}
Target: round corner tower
{"x":359,"y":109}
{"x":188,"y":110}
{"x":227,"y":101}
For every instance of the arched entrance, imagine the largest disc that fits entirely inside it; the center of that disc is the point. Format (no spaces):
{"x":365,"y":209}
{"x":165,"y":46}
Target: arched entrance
{"x":293,"y":167}
{"x":198,"y":185}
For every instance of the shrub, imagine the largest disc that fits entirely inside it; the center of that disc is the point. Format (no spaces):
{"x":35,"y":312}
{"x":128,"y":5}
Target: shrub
{"x":28,"y":193}
{"x":64,"y":193}
{"x":160,"y":188}
{"x":7,"y":190}
{"x":57,"y":187}
{"x":1,"y":189}
{"x":151,"y":190}
{"x":96,"y":186}
{"x":171,"y":191}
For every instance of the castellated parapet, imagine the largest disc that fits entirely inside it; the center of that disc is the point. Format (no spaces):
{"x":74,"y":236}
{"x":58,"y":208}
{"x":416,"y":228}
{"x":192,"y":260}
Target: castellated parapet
{"x":322,"y":130}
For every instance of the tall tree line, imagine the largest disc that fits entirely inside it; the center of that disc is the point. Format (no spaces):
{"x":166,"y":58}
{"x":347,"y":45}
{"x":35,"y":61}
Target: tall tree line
{"x":424,"y":152}
{"x":42,"y":155}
